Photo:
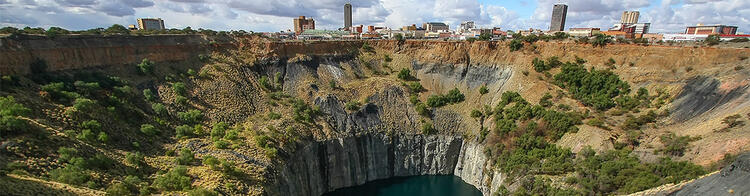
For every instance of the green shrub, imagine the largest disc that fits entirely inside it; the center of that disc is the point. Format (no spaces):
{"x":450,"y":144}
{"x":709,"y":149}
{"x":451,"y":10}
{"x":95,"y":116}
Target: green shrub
{"x":176,"y":179}
{"x":70,"y":175}
{"x":413,"y":99}
{"x":135,"y":159}
{"x":713,"y":40}
{"x":545,"y":100}
{"x":149,"y":130}
{"x":274,"y":115}
{"x":733,"y":121}
{"x":421,"y":109}
{"x":266,"y":84}
{"x":483,"y":90}
{"x":84,"y":105}
{"x":186,"y":157}
{"x":633,"y":123}
{"x":210,"y":161}
{"x":88,"y":88}
{"x":515,"y":45}
{"x":91,"y":124}
{"x":10,"y":110}
{"x":146,"y":66}
{"x":427,"y":129}
{"x":221,"y":144}
{"x":232,"y":134}
{"x":159,"y":109}
{"x":118,"y":189}
{"x":179,"y":88}
{"x":332,"y":84}
{"x":86,"y":135}
{"x":415,"y":87}
{"x":405,"y":74}
{"x":453,"y":96}
{"x":675,"y":145}
{"x":150,"y":96}
{"x":180,"y":100}
{"x":600,"y":40}
{"x":219,"y":130}
{"x":352,"y":105}
{"x":184,"y":131}
{"x":102,"y":137}
{"x":192,"y":116}
{"x":304,"y":112}
{"x":542,"y":66}
{"x":191,"y":72}
{"x":202,"y":192}
{"x":387,"y":58}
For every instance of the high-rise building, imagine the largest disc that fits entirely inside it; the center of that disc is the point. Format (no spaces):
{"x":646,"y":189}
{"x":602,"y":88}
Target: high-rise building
{"x":466,"y":26}
{"x":629,"y":17}
{"x":559,"y":13}
{"x":150,"y":24}
{"x":347,"y":15}
{"x":301,"y":24}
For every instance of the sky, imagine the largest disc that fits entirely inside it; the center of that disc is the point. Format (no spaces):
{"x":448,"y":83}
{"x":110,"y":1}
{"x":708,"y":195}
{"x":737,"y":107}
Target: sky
{"x":276,"y":15}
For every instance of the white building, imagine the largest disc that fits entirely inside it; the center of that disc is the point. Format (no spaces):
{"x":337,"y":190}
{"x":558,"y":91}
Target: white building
{"x":683,"y":37}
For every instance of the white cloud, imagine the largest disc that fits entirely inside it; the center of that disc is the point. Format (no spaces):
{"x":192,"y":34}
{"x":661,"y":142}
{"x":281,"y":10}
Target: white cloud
{"x":273,"y":15}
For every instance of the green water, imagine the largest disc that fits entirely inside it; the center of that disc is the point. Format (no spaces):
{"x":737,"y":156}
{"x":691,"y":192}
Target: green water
{"x":447,"y":185}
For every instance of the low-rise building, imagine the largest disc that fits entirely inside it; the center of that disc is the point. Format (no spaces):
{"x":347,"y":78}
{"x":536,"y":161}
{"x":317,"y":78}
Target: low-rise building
{"x":322,"y":34}
{"x":700,"y":29}
{"x":150,"y":24}
{"x":683,"y":37}
{"x":636,"y":28}
{"x":653,"y":37}
{"x":435,"y":27}
{"x":583,"y":32}
{"x":617,"y":34}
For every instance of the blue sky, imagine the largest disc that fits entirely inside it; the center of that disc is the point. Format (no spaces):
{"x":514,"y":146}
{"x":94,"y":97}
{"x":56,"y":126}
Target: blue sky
{"x":276,"y":15}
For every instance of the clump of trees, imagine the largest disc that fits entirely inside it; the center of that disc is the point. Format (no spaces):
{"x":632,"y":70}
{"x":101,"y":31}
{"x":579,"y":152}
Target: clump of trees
{"x":542,"y":66}
{"x":515,"y":45}
{"x":596,"y":88}
{"x":454,"y":96}
{"x":10,"y":111}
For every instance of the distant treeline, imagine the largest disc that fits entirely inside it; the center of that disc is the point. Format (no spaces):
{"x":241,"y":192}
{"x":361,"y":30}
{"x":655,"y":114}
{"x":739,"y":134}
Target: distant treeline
{"x":115,"y":29}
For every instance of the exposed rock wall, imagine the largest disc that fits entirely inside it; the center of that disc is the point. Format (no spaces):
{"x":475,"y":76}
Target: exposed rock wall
{"x":76,"y":52}
{"x":328,"y":165}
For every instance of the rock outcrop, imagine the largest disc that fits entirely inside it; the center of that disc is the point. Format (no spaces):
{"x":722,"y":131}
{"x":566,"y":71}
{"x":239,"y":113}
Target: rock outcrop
{"x":328,"y":165}
{"x":732,"y":180}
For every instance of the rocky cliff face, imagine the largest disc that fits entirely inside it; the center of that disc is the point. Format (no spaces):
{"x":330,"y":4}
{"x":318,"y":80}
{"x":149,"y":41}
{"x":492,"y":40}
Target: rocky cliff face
{"x":328,"y":165}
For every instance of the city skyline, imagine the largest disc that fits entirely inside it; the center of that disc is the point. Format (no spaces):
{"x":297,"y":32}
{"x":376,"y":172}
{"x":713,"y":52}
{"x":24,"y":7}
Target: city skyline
{"x":665,"y":15}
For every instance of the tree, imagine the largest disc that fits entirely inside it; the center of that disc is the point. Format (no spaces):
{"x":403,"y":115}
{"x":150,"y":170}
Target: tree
{"x":149,"y":130}
{"x":515,"y":45}
{"x":485,"y":37}
{"x":117,"y":29}
{"x":713,"y":39}
{"x":733,"y":121}
{"x":600,"y":40}
{"x":55,"y":31}
{"x":405,"y":74}
{"x":10,"y":110}
{"x":146,"y":66}
{"x":483,"y":90}
{"x":192,"y":116}
{"x":176,"y":179}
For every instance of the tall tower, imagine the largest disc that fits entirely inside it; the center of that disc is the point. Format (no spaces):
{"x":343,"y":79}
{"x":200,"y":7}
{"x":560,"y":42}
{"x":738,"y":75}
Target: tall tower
{"x":559,"y":13}
{"x":347,"y":15}
{"x":630,"y":17}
